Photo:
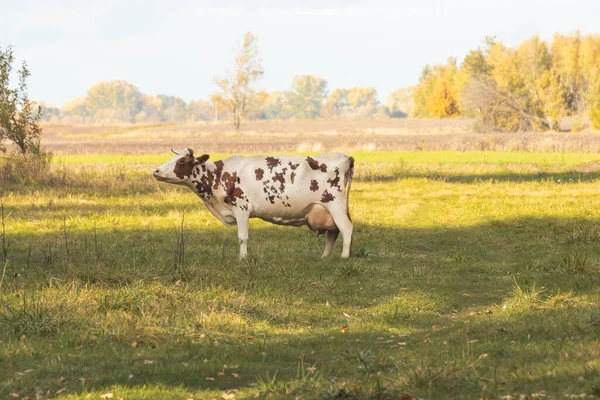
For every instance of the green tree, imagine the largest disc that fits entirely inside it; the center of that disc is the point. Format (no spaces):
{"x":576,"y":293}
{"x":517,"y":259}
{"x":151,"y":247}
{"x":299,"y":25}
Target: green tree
{"x":75,"y":110}
{"x":173,"y":109}
{"x":362,"y":101}
{"x":308,"y":92}
{"x":277,"y":106}
{"x":19,"y":117}
{"x":336,"y":103}
{"x":235,"y":93}
{"x":113,"y":101}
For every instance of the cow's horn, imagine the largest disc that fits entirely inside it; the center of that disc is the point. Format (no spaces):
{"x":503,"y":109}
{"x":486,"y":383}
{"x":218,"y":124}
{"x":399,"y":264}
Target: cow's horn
{"x":174,"y":152}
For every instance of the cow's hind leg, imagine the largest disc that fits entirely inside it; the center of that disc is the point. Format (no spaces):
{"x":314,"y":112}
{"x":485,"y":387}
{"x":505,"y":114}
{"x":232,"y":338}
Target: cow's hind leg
{"x":331,"y":238}
{"x":345,"y":226}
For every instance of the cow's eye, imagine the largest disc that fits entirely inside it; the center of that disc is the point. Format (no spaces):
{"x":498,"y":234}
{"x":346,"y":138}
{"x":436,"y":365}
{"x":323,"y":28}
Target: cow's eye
{"x":180,"y":161}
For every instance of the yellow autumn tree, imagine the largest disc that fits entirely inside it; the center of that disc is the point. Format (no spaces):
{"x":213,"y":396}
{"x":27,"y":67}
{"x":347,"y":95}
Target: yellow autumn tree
{"x":436,"y":96}
{"x":235,"y":92}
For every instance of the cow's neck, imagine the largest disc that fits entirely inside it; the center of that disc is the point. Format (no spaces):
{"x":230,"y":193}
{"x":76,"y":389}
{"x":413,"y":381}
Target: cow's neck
{"x":207,"y":178}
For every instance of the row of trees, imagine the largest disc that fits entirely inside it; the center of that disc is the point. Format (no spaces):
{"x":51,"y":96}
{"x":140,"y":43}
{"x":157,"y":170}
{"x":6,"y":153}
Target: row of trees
{"x":235,"y":100}
{"x":530,"y":87}
{"x":119,"y":101}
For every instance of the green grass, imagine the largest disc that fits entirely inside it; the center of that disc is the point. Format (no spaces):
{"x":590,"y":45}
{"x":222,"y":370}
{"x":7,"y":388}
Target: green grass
{"x":413,"y":157}
{"x":468,"y":281}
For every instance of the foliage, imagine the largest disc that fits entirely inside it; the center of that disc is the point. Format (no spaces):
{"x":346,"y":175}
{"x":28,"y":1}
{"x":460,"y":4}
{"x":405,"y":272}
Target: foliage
{"x":400,"y":103}
{"x":19,"y":118}
{"x":236,"y":95}
{"x":306,"y":98}
{"x":436,"y":95}
{"x":530,"y":87}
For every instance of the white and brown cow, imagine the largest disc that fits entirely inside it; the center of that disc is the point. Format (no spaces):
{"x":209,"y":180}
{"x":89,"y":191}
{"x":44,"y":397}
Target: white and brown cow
{"x":284,"y":190}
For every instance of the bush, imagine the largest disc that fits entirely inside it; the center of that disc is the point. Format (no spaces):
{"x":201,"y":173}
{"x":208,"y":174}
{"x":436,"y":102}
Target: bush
{"x":26,"y":170}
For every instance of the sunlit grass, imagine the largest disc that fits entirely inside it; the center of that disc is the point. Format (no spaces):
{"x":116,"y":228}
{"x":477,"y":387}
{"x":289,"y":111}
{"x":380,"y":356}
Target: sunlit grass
{"x":412,"y":157}
{"x":465,"y":282}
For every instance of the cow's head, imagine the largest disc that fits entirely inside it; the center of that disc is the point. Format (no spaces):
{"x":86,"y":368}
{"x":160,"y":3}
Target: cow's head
{"x":178,"y":170}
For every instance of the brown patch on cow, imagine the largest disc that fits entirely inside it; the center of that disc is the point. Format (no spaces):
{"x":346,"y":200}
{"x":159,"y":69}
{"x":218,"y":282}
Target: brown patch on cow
{"x":259,"y":173}
{"x":314,"y":185}
{"x":233,"y":193}
{"x":184,"y":167}
{"x":272,"y":162}
{"x":204,"y":186}
{"x":314,"y":165}
{"x":280,"y":177}
{"x":292,"y":177}
{"x":218,"y":171}
{"x":238,"y":193}
{"x":327,"y":197}
{"x":229,"y":181}
{"x":335,"y":182}
{"x":293,"y":166}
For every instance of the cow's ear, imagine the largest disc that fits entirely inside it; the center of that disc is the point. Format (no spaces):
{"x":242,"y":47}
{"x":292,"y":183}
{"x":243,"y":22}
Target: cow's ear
{"x":202,"y":159}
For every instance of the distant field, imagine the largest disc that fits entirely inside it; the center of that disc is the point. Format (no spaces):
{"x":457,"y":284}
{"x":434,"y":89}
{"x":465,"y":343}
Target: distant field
{"x":474,"y":275}
{"x":307,"y":136}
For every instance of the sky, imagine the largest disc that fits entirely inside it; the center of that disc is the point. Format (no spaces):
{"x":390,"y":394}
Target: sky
{"x":177,"y":47}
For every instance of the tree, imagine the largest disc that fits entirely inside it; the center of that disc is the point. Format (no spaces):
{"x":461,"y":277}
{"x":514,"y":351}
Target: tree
{"x":277,"y":105}
{"x":19,"y":117}
{"x":173,"y":109}
{"x":308,"y":92}
{"x":113,"y":101}
{"x":336,"y":103}
{"x":400,"y":103}
{"x":362,"y":101}
{"x":436,"y":95}
{"x":199,"y":110}
{"x":235,"y":93}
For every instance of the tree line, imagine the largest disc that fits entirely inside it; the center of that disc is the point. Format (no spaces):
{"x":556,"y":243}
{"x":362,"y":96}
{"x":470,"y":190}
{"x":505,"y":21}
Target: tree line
{"x":530,"y":87}
{"x":122,"y":102}
{"x":235,"y":100}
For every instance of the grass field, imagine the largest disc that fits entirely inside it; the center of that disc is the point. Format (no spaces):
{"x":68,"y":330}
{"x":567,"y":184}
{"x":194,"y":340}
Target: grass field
{"x":474,"y":275}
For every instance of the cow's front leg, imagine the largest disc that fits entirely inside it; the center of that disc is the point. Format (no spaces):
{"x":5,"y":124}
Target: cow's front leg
{"x":243,"y":220}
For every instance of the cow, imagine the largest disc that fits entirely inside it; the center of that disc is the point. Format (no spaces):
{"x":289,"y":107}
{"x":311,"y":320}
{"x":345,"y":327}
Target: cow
{"x":283,"y":190}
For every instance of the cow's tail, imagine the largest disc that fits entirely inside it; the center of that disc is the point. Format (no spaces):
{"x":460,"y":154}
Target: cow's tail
{"x":349,"y":184}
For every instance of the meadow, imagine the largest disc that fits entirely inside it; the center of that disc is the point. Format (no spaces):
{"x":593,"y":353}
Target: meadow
{"x":475,"y":274}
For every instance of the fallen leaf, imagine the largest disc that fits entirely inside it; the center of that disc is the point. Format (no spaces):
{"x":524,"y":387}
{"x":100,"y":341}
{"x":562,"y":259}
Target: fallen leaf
{"x":209,"y":378}
{"x":61,"y":390}
{"x":107,"y":396}
{"x":149,"y":362}
{"x":221,"y":373}
{"x":236,"y":376}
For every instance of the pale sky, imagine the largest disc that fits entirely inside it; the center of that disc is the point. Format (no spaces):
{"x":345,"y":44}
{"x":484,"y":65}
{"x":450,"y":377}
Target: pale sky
{"x":176,"y":47}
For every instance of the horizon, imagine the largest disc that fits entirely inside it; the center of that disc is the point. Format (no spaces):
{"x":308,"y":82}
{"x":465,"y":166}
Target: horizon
{"x":69,"y":46}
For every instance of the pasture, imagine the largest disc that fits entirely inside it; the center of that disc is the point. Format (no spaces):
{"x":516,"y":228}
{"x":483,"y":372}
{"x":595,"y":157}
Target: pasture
{"x":474,"y":275}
